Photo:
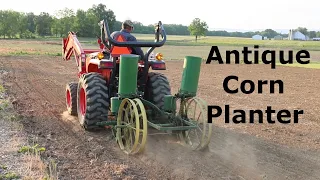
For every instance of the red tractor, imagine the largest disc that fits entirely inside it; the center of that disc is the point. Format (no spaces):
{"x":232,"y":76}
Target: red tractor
{"x":116,"y":89}
{"x":98,"y":73}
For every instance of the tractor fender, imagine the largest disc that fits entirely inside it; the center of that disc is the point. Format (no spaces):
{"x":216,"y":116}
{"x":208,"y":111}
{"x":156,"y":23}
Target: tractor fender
{"x":92,"y":65}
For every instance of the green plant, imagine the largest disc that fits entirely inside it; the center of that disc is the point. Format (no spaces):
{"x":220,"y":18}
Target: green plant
{"x":1,"y":89}
{"x":31,"y":149}
{"x":3,"y":167}
{"x":4,"y":104}
{"x":9,"y":176}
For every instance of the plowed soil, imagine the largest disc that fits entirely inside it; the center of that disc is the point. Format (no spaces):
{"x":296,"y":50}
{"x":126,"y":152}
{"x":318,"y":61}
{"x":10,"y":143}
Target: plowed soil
{"x":237,"y":151}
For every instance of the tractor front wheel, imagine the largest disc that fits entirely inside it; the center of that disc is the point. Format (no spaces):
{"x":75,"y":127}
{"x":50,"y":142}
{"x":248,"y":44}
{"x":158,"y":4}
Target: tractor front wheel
{"x":93,"y":100}
{"x":71,"y":98}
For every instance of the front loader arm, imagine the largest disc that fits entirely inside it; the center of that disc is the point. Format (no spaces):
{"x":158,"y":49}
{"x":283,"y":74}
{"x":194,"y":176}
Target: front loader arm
{"x":71,"y":45}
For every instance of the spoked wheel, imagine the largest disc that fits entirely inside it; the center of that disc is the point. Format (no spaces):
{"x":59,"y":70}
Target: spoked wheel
{"x":132,"y":126}
{"x":195,"y":110}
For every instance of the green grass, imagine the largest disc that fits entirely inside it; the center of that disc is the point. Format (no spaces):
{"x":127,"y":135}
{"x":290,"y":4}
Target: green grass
{"x":225,"y":41}
{"x":235,"y":41}
{"x":311,"y":65}
{"x":176,"y":47}
{"x":229,"y":41}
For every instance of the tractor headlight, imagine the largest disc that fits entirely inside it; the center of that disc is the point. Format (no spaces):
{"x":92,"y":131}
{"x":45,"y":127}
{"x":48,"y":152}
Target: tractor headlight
{"x":159,"y":56}
{"x":100,"y":55}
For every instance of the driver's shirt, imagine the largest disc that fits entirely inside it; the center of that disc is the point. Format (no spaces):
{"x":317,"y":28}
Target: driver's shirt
{"x":129,"y":37}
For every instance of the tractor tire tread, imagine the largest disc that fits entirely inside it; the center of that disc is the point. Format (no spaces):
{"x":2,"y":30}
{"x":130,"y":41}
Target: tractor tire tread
{"x":73,"y":87}
{"x":157,"y":87}
{"x":97,"y":99}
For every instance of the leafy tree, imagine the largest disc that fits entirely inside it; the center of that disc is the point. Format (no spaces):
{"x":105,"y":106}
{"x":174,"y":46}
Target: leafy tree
{"x":43,"y":24}
{"x":23,"y":23}
{"x":2,"y":23}
{"x":30,"y":17}
{"x":80,"y":23}
{"x":236,"y":34}
{"x":198,"y":28}
{"x":100,"y":12}
{"x":248,"y":34}
{"x":26,"y":25}
{"x":9,"y":21}
{"x":221,"y":33}
{"x":117,"y":26}
{"x":270,"y":33}
{"x":85,"y":22}
{"x":65,"y":21}
{"x":56,"y":27}
{"x":303,"y":30}
{"x":312,"y":34}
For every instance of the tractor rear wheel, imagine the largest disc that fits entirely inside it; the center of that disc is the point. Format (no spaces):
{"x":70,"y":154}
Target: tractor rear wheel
{"x":93,"y":100}
{"x":71,"y":98}
{"x":157,"y":87}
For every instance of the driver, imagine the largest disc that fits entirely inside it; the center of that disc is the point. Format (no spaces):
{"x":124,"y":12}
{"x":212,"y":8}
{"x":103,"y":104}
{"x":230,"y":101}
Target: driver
{"x":127,"y":28}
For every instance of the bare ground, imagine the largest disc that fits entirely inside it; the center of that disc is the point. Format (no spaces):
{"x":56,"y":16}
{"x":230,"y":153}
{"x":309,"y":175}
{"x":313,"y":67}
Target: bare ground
{"x":278,"y":151}
{"x":11,"y":138}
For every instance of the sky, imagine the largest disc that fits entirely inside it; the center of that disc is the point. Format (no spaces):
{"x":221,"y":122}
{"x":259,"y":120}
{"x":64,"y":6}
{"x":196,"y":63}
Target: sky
{"x":219,"y":14}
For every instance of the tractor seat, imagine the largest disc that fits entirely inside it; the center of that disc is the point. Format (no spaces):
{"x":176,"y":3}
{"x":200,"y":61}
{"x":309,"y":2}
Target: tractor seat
{"x":116,"y":51}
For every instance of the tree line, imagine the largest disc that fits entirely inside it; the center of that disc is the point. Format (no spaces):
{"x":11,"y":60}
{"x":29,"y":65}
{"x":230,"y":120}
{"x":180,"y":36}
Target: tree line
{"x":15,"y":24}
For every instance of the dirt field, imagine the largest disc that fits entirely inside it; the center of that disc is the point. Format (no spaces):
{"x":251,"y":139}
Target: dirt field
{"x":246,"y":151}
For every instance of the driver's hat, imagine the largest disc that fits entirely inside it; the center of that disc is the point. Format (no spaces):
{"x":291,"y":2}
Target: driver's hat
{"x":127,"y":23}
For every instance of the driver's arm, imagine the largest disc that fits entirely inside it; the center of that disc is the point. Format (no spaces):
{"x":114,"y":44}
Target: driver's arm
{"x":138,"y":50}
